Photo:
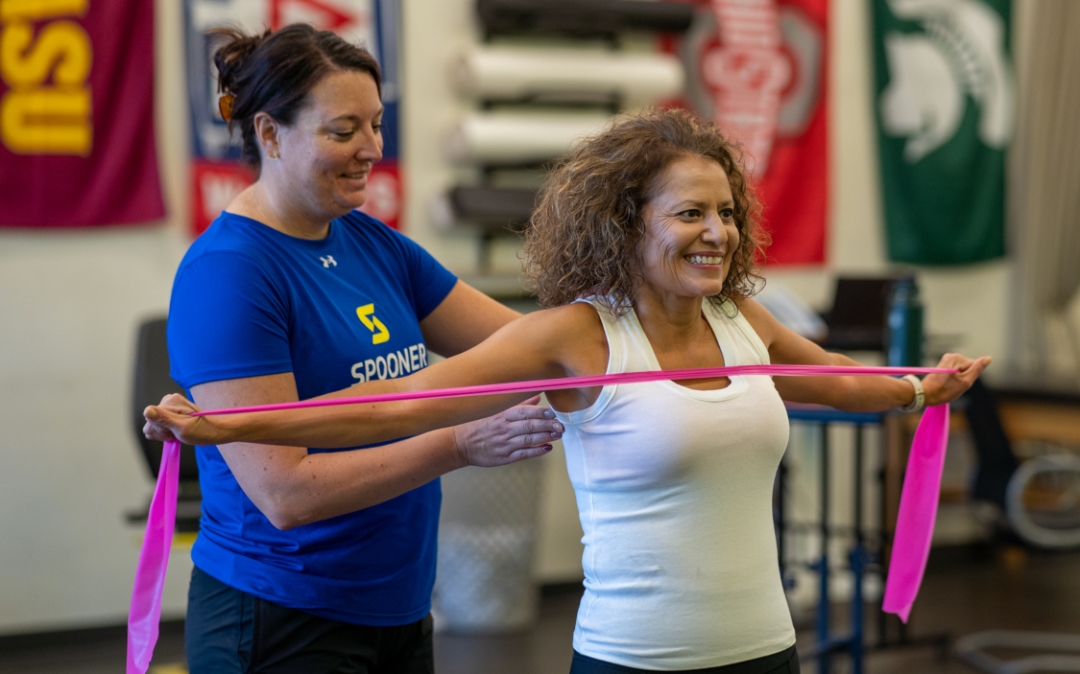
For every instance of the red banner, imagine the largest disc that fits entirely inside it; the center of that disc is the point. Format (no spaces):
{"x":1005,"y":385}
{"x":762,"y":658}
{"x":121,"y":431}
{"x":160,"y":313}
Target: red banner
{"x":77,"y":113}
{"x":757,"y":68}
{"x":214,"y":185}
{"x":385,"y":193}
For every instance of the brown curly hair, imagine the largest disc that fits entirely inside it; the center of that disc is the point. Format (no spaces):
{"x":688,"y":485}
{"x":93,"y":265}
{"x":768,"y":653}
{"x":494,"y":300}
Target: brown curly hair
{"x":583,"y":235}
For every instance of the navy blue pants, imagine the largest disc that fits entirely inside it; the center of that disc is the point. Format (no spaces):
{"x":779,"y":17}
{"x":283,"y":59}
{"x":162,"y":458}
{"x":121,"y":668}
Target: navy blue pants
{"x":784,"y":662}
{"x":232,"y":632}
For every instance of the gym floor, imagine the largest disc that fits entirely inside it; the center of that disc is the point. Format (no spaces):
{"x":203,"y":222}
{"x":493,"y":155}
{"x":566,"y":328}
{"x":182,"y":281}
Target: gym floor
{"x":966,"y":590}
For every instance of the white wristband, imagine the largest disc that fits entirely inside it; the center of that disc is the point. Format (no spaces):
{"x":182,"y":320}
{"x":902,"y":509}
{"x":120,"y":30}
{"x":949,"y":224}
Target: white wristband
{"x":919,"y":401}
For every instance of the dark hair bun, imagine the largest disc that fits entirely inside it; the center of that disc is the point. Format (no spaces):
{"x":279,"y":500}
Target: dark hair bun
{"x":234,"y":49}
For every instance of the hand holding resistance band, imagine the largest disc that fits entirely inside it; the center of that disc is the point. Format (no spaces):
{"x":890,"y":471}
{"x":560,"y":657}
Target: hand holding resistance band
{"x":914,"y":528}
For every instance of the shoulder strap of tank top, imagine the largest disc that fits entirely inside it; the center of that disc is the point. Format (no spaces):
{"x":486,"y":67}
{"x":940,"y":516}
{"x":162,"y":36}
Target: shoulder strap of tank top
{"x":639,"y":351}
{"x":728,"y":314}
{"x":616,"y":334}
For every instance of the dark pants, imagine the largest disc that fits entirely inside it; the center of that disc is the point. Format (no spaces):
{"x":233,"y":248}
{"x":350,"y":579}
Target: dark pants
{"x":232,"y":632}
{"x":784,"y":662}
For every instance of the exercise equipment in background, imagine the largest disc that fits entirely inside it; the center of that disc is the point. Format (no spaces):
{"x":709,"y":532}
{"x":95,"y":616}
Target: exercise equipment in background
{"x":1037,"y":501}
{"x":534,"y":103}
{"x":581,"y":18}
{"x":501,"y":73}
{"x":514,"y":138}
{"x":488,"y":210}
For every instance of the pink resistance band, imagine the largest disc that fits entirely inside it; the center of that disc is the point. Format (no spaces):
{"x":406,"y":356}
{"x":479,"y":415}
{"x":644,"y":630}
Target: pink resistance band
{"x":911,"y":546}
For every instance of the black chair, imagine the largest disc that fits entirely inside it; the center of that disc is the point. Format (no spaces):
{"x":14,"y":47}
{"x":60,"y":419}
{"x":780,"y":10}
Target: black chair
{"x":857,"y":319}
{"x":152,"y":383}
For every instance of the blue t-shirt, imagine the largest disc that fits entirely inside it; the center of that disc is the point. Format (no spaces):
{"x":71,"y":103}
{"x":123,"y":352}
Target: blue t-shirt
{"x":250,"y":301}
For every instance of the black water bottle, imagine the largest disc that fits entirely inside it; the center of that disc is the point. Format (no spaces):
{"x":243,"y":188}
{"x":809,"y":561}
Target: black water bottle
{"x":905,"y":324}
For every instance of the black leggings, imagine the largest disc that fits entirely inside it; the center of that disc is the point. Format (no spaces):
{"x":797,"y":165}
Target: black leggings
{"x":784,"y":662}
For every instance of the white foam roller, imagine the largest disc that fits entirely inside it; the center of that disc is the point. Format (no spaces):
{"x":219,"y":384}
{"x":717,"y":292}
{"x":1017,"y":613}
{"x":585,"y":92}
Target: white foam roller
{"x":520,"y":138}
{"x":513,"y":73}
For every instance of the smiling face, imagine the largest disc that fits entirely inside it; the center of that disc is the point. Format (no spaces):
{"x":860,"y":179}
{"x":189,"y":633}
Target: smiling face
{"x":326,"y":155}
{"x":690,"y":231}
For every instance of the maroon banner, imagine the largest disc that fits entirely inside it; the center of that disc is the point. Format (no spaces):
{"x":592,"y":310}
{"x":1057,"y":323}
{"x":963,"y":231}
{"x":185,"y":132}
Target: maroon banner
{"x":77,"y":113}
{"x":757,"y":68}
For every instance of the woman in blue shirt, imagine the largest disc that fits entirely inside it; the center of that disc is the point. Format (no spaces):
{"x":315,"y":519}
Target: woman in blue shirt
{"x":309,"y":559}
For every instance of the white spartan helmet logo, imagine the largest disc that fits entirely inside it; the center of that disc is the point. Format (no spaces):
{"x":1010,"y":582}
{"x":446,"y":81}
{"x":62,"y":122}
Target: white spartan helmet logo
{"x":961,"y":53}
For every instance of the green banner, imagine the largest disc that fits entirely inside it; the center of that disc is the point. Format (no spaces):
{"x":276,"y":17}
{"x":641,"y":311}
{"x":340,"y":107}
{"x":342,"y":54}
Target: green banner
{"x":945,"y":106}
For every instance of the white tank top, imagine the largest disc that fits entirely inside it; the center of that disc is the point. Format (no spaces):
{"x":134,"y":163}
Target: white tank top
{"x":674,"y":489}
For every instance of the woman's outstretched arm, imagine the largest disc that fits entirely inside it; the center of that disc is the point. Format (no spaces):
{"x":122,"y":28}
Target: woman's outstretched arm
{"x":292,"y":487}
{"x":854,"y":394}
{"x":539,"y":345}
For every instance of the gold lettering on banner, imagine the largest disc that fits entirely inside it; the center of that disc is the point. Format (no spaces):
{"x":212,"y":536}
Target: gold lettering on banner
{"x":36,"y":10}
{"x":51,"y":120}
{"x":47,"y":108}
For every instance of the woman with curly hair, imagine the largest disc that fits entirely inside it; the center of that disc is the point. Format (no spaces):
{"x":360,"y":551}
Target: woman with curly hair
{"x":642,"y":251}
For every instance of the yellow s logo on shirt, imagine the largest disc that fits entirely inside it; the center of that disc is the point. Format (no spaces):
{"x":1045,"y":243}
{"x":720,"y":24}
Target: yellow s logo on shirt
{"x":366,"y":316}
